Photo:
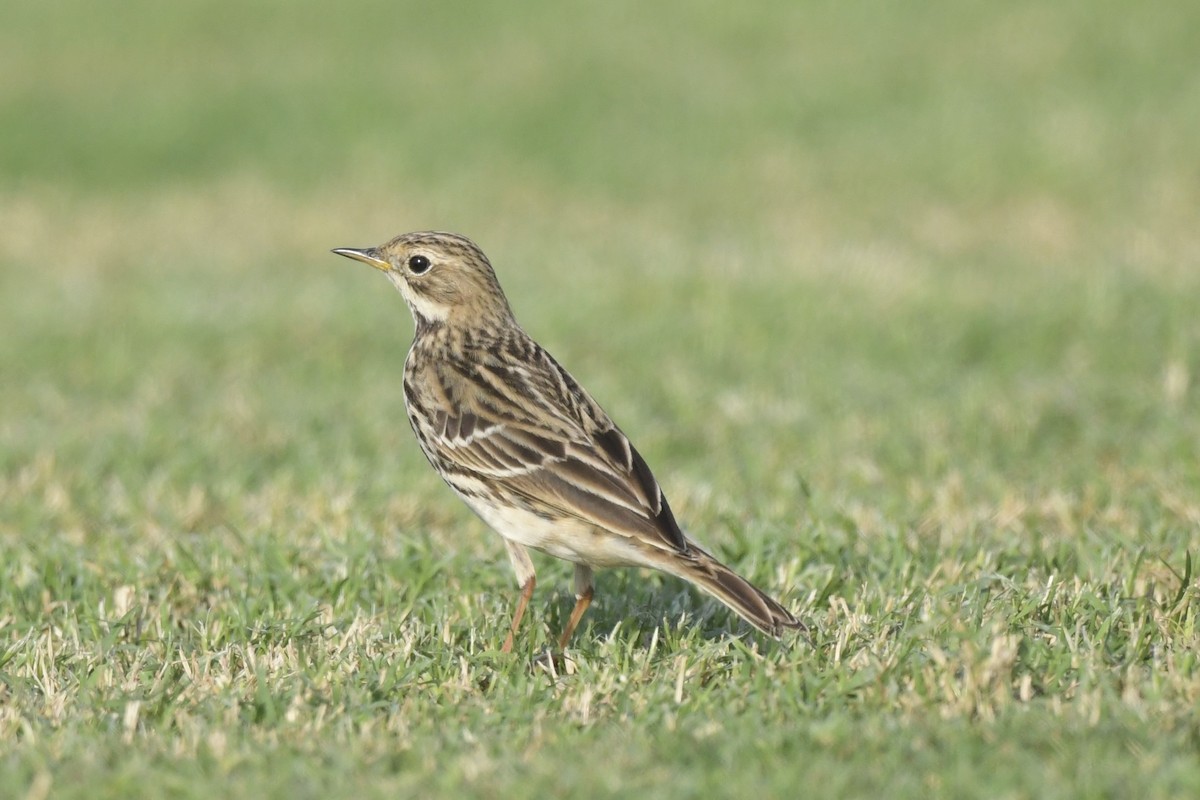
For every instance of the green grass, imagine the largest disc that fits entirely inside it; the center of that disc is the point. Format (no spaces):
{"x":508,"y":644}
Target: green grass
{"x":902,"y":305}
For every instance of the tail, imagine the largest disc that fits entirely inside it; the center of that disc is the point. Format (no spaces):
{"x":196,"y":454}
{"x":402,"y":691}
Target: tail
{"x":743,"y":597}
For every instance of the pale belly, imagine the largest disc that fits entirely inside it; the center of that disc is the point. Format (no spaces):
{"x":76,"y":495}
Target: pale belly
{"x":570,"y":540}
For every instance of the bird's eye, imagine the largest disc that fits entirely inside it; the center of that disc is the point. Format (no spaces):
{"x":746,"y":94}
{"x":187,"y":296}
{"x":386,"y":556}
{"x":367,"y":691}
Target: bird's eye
{"x":418,"y":264}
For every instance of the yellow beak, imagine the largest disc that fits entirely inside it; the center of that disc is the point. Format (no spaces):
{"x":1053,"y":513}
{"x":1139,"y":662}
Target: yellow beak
{"x":367,"y":255}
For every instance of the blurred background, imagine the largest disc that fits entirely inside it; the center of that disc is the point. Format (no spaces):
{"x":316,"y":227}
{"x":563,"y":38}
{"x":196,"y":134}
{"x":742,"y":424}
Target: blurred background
{"x":790,"y":246}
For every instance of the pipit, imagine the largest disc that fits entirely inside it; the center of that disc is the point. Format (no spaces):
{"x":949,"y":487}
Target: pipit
{"x":525,"y":446}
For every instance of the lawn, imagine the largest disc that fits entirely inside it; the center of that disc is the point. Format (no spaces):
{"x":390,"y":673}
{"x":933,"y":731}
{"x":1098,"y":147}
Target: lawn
{"x":902,"y":305}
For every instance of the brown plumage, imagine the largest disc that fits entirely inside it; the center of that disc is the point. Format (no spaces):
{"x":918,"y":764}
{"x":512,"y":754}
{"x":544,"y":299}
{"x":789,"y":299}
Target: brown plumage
{"x":525,"y":446}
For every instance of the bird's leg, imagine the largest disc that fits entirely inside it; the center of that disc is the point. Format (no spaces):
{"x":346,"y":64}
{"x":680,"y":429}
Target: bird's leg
{"x":526,"y":593}
{"x":526,"y":579}
{"x":583,"y":598}
{"x":581,"y":605}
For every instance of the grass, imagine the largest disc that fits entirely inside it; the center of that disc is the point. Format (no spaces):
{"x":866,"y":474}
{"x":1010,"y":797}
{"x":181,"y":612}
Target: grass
{"x":901,"y":305}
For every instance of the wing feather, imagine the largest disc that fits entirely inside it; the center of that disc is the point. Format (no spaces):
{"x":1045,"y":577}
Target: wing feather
{"x":529,"y":430}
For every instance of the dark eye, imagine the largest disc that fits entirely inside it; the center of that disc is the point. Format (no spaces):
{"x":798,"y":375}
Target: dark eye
{"x":418,"y":264}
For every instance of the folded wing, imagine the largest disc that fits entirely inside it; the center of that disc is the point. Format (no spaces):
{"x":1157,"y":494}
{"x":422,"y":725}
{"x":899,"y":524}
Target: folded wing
{"x":525,"y":427}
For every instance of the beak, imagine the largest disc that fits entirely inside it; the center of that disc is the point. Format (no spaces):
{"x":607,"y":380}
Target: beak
{"x":367,"y":255}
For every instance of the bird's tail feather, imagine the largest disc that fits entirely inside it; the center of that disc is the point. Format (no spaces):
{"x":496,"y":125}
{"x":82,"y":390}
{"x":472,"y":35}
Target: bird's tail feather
{"x":743,"y":597}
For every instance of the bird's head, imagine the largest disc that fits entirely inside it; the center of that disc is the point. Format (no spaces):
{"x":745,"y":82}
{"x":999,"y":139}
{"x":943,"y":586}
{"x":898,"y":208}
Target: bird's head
{"x":444,"y":278}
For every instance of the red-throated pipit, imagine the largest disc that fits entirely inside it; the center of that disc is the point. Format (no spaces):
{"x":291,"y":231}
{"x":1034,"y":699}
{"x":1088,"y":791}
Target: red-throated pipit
{"x":525,"y":446}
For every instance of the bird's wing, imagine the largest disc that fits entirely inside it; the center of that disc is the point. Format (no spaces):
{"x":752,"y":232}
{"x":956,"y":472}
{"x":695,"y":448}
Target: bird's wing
{"x":526,"y":427}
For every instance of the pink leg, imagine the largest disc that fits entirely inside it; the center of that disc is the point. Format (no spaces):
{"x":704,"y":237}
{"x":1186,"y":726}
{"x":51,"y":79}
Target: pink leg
{"x":526,"y":593}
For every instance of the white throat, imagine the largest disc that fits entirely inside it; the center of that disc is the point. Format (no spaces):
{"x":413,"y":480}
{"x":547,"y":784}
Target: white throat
{"x":420,"y":306}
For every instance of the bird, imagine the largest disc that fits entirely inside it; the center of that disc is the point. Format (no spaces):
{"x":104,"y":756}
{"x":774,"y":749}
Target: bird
{"x":526,"y":447}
